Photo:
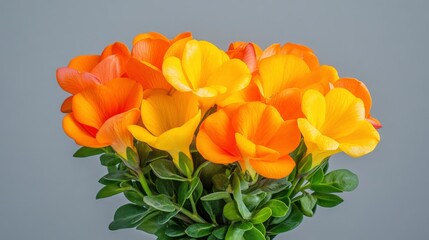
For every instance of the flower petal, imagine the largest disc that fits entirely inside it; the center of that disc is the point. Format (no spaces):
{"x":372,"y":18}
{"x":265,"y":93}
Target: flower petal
{"x":273,"y":169}
{"x":288,"y":103}
{"x":79,"y":133}
{"x":149,"y":35}
{"x":71,"y":81}
{"x":191,"y":62}
{"x":84,"y":63}
{"x":151,"y":51}
{"x":66,"y":107}
{"x":358,"y":89}
{"x":146,"y":74}
{"x":108,"y":69}
{"x":312,"y":136}
{"x":115,"y":131}
{"x":362,"y":141}
{"x":286,"y":139}
{"x":314,"y":107}
{"x":173,"y":72}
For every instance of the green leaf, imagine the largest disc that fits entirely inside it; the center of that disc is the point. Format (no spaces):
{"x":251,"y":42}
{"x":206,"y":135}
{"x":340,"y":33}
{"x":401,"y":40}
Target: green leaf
{"x":305,"y":164}
{"x":160,"y":202}
{"x":186,"y":165}
{"x":156,"y":154}
{"x":325,"y":188}
{"x":143,"y":151}
{"x":220,"y":232}
{"x":166,"y":187}
{"x":192,"y":186}
{"x":317,"y":177}
{"x":278,"y":220}
{"x":199,"y":230}
{"x":108,"y":191}
{"x":198,"y":191}
{"x":212,"y":209}
{"x":342,"y":179}
{"x":132,"y":157}
{"x":109,"y":159}
{"x":252,"y":201}
{"x":134,"y":197}
{"x":327,"y":200}
{"x":220,"y":182}
{"x":165,"y":169}
{"x":119,"y":176}
{"x":182,"y":192}
{"x":234,"y":232}
{"x":165,"y":217}
{"x":307,"y":203}
{"x":216,"y":196}
{"x":245,"y":226}
{"x":238,"y":198}
{"x":127,"y":216}
{"x":271,"y":186}
{"x":293,"y":221}
{"x":87,"y":152}
{"x":299,"y":152}
{"x":230,"y":212}
{"x":254,"y":234}
{"x":150,"y":223}
{"x":262,"y":215}
{"x":261,"y":228}
{"x":278,"y":207}
{"x":174,"y":231}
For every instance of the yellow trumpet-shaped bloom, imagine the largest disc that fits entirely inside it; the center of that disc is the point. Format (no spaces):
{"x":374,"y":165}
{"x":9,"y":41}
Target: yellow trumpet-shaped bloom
{"x":335,"y":123}
{"x":169,"y":122}
{"x":205,"y":70}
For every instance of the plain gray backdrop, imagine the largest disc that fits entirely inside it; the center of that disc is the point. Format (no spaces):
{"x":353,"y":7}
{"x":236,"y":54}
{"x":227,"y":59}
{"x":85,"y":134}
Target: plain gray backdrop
{"x":46,"y":194}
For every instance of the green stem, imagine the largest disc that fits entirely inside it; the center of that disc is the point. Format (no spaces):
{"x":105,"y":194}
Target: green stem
{"x":144,"y":183}
{"x":197,"y":218}
{"x":194,"y":208}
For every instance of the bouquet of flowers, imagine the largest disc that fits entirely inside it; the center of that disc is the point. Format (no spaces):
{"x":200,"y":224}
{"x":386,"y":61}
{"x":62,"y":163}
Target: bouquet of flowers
{"x":213,"y":144}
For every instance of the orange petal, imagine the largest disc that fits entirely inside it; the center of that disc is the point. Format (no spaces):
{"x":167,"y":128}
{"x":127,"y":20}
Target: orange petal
{"x":273,"y":49}
{"x":151,"y":51}
{"x":358,"y":89}
{"x":377,"y":124}
{"x":288,"y":103}
{"x":84,"y":63}
{"x":108,"y":69}
{"x":149,"y":35}
{"x":115,"y":131}
{"x":95,"y":105}
{"x":70,"y":80}
{"x":286,"y":139}
{"x":80,"y":133}
{"x":273,"y":169}
{"x":303,"y":52}
{"x":146,"y":74}
{"x":213,"y":152}
{"x":245,"y":52}
{"x":116,"y":48}
{"x":180,"y":36}
{"x":66,"y":107}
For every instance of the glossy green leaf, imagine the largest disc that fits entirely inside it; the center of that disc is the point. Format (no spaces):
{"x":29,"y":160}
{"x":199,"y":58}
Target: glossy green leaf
{"x":108,"y":191}
{"x":342,"y":179}
{"x":234,"y":232}
{"x":305,"y":164}
{"x":317,"y":177}
{"x":220,"y":232}
{"x":87,"y":152}
{"x":174,"y":231}
{"x":156,"y":154}
{"x":165,"y":217}
{"x":198,"y":230}
{"x":160,"y":202}
{"x":119,"y":176}
{"x":278,"y":208}
{"x":271,"y":186}
{"x":293,"y":221}
{"x":134,"y":197}
{"x":230,"y":212}
{"x":238,"y":198}
{"x":307,"y":204}
{"x":165,"y":169}
{"x":216,"y":196}
{"x":262,"y":215}
{"x":109,"y":159}
{"x":254,"y":234}
{"x":127,"y":216}
{"x":165,"y":187}
{"x":132,"y":157}
{"x":220,"y":182}
{"x":150,"y":223}
{"x":186,"y":165}
{"x":327,"y":200}
{"x":252,"y":201}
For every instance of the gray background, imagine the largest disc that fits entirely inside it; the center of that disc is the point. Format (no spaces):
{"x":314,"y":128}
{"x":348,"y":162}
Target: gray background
{"x":46,"y":194}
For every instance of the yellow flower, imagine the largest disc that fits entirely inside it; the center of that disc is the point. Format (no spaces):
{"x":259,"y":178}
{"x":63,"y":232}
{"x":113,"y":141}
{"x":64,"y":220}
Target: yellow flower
{"x":334,"y":123}
{"x":169,"y":121}
{"x":205,"y":70}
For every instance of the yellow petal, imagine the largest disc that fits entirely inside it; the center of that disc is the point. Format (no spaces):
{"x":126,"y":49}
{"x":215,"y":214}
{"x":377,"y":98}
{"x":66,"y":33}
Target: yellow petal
{"x":173,"y":72}
{"x":313,"y":136}
{"x":362,"y":141}
{"x":141,"y":134}
{"x":279,"y":72}
{"x":343,"y":110}
{"x":314,"y":108}
{"x":191,"y":63}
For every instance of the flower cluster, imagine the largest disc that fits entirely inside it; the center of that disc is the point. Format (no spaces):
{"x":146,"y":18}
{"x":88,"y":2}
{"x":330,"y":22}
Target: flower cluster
{"x":217,"y":125}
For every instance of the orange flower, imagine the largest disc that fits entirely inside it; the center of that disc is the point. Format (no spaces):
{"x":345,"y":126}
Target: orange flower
{"x":101,"y":115}
{"x":254,"y":134}
{"x":89,"y":70}
{"x":301,"y":51}
{"x":248,"y":52}
{"x":359,"y":89}
{"x":148,"y":52}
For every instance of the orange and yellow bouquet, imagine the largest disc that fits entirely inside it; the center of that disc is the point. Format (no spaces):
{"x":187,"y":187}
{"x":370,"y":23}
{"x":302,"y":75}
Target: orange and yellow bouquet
{"x":213,"y":144}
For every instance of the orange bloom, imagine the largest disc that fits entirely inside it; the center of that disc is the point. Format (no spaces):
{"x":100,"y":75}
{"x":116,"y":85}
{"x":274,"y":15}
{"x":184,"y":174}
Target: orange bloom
{"x":148,"y":52}
{"x":301,"y":51}
{"x":254,"y":134}
{"x":101,"y":115}
{"x":359,"y":89}
{"x":248,"y":52}
{"x":89,"y":70}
